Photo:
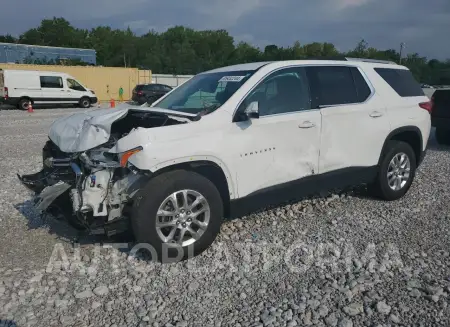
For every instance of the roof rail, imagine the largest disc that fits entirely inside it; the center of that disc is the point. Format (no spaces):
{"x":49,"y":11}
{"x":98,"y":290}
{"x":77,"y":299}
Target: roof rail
{"x":372,"y":60}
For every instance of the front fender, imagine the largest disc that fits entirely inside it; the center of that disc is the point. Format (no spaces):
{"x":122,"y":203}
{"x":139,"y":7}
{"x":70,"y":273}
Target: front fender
{"x":144,"y":161}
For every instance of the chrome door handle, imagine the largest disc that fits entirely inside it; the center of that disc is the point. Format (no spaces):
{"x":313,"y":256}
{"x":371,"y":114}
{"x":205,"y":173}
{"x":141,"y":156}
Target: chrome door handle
{"x":306,"y":124}
{"x":375,"y":114}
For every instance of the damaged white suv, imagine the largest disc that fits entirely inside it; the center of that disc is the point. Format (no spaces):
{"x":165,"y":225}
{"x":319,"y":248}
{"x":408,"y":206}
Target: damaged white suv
{"x":239,"y":137}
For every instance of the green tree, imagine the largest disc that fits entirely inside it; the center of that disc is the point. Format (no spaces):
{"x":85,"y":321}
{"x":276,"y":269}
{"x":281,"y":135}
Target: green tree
{"x":7,"y":39}
{"x":181,"y":50}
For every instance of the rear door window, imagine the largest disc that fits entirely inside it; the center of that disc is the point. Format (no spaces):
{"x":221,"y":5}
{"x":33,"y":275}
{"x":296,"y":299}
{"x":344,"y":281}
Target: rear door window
{"x":332,"y":85}
{"x":52,"y":82}
{"x":402,"y":81}
{"x":362,"y":89}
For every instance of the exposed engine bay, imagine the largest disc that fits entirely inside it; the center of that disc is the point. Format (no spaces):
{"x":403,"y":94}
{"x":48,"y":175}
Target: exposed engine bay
{"x":94,"y":189}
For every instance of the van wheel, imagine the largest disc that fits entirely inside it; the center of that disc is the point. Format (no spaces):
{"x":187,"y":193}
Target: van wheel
{"x":177,"y":215}
{"x":24,"y":103}
{"x":85,"y":103}
{"x":396,"y":172}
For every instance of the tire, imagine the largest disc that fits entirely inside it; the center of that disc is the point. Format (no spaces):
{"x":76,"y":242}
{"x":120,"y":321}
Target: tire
{"x":149,"y":200}
{"x":85,"y":102}
{"x":443,"y":136}
{"x":381,"y":187}
{"x":23,"y":104}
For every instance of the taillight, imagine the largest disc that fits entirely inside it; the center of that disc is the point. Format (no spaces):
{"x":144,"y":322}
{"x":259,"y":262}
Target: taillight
{"x":6,"y":92}
{"x":140,"y":93}
{"x":428,"y":106}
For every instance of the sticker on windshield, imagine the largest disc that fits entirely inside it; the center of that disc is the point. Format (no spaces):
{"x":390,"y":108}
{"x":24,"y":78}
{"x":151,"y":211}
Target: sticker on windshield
{"x":231,"y":78}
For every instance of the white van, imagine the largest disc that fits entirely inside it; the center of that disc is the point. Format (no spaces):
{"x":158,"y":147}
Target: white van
{"x":20,"y":87}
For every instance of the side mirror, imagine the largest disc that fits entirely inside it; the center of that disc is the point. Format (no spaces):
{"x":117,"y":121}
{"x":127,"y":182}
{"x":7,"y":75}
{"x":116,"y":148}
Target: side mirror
{"x":252,"y":110}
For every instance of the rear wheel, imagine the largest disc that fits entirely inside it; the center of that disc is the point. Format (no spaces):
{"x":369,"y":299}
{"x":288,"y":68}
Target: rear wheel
{"x":396,"y":172}
{"x":443,"y":136}
{"x":178,"y":214}
{"x":24,"y":103}
{"x":85,"y":102}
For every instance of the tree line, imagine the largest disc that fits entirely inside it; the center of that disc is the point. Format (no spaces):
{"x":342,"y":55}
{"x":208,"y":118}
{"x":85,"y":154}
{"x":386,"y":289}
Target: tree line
{"x":181,"y":50}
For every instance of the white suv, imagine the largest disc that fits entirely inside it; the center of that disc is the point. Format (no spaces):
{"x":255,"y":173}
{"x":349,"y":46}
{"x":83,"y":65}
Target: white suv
{"x":238,"y":137}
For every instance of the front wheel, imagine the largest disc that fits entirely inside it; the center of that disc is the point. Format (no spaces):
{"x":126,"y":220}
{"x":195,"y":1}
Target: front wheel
{"x":85,"y":103}
{"x":178,"y":214}
{"x":396,"y":172}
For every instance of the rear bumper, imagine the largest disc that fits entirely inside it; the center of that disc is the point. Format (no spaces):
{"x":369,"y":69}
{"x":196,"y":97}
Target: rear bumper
{"x":9,"y":101}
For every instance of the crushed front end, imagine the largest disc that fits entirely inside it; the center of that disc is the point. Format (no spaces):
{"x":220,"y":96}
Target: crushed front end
{"x":90,"y":189}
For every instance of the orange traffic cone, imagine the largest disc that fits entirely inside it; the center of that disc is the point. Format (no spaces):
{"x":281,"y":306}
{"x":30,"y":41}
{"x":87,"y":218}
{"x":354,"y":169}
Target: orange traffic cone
{"x":30,"y":107}
{"x":113,"y":103}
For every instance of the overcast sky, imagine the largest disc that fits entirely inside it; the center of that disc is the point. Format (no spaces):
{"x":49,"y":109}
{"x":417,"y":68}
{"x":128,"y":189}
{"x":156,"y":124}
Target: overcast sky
{"x":424,"y":25}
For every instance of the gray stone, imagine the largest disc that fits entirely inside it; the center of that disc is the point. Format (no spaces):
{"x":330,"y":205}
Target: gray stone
{"x":354,"y":309}
{"x":84,"y":295}
{"x":101,"y":290}
{"x":383,"y":308}
{"x":331,"y":320}
{"x":193,"y":286}
{"x":345,"y":322}
{"x":394,"y":318}
{"x":96,"y":305}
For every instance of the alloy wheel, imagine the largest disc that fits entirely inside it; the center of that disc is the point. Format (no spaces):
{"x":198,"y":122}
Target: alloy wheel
{"x":182,"y":218}
{"x":399,"y":171}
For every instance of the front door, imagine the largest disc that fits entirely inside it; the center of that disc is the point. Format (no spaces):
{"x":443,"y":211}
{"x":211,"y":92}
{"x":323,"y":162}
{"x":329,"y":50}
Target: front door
{"x":282,"y":145}
{"x":74,"y":89}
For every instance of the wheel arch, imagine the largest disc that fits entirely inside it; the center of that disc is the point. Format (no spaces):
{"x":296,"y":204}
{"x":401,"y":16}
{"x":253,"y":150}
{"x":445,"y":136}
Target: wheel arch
{"x":408,"y":134}
{"x":209,"y":167}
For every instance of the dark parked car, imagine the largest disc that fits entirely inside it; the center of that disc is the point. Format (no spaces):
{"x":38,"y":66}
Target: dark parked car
{"x":143,"y":93}
{"x":440,"y":116}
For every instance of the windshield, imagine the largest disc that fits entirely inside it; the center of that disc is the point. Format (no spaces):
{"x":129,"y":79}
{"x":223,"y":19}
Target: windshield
{"x":205,"y":93}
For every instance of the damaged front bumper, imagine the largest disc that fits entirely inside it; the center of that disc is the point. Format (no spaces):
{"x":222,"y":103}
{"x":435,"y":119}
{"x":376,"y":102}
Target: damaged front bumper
{"x":90,"y":195}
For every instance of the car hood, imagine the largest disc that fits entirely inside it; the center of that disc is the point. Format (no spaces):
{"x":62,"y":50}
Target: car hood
{"x":86,"y":130}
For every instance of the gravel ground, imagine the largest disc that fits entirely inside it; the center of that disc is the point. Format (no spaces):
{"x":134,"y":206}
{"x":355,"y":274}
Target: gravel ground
{"x":341,"y":260}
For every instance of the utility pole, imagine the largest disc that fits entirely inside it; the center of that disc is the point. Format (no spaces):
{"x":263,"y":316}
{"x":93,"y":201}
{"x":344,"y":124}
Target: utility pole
{"x":402,"y":46}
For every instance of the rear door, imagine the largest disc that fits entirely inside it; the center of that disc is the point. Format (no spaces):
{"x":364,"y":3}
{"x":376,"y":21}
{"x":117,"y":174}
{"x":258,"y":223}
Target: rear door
{"x":354,"y":119}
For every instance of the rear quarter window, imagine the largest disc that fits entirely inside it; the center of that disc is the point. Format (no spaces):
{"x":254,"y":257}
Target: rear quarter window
{"x":402,"y":81}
